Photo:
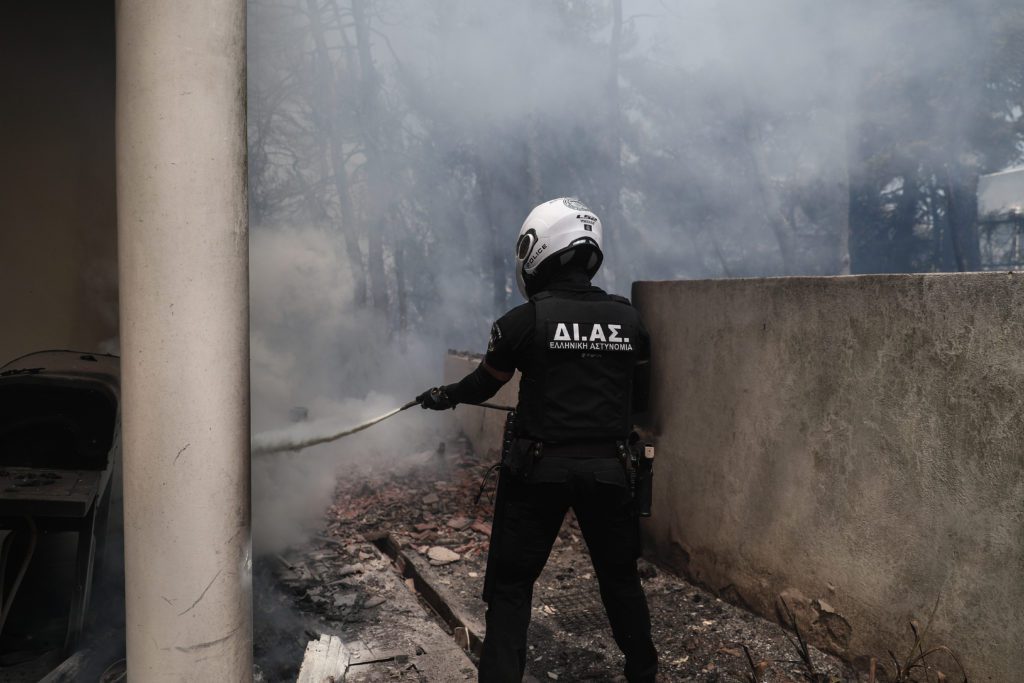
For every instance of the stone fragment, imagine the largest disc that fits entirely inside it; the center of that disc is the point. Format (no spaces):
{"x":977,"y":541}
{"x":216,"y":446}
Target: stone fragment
{"x":459,"y":523}
{"x":430,"y":499}
{"x":345,"y":599}
{"x":482,"y":527}
{"x":349,"y":569}
{"x":826,"y":607}
{"x":374,"y":602}
{"x":443,"y":555}
{"x":461,"y":636}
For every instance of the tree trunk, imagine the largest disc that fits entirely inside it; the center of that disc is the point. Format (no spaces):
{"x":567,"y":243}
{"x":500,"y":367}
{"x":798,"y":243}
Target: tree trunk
{"x":369,"y":120}
{"x":615,"y":229}
{"x":326,"y":121}
{"x":962,"y":211}
{"x":497,"y":243}
{"x":842,"y":200}
{"x":864,"y":222}
{"x":401,"y":296}
{"x":533,"y":165}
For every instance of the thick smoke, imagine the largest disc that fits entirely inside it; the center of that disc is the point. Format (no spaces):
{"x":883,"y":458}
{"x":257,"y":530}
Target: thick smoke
{"x":311,"y":351}
{"x":396,"y":146}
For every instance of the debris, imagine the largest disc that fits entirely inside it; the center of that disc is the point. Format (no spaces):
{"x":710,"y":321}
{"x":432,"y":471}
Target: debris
{"x":461,"y":635}
{"x":429,"y":512}
{"x":349,"y":569}
{"x":325,"y":659}
{"x":323,"y":555}
{"x":646,"y":569}
{"x":333,"y":541}
{"x":443,"y":555}
{"x":345,"y":599}
{"x":552,"y":675}
{"x":459,"y":523}
{"x":374,"y":601}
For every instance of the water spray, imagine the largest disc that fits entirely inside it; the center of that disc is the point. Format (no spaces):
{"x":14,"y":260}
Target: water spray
{"x":280,"y":440}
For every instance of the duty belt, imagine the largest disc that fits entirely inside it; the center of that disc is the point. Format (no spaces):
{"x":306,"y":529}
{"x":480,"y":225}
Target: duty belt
{"x":582,"y":449}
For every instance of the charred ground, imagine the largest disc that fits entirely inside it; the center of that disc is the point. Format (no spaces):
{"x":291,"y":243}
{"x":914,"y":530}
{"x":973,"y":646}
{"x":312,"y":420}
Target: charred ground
{"x":344,"y":581}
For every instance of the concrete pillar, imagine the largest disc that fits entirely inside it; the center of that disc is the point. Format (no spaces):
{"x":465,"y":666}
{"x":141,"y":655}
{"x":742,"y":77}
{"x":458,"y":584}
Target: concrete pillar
{"x":183,"y":263}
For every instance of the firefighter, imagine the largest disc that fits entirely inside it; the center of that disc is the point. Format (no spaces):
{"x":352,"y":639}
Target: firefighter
{"x":578,"y":350}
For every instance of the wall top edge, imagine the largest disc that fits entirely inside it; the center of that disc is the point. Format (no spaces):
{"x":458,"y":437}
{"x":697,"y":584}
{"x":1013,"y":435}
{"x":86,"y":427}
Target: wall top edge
{"x":845,"y":279}
{"x":467,"y":355}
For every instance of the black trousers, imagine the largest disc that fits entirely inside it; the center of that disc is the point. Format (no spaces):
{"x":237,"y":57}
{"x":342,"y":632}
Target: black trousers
{"x":596,"y":490}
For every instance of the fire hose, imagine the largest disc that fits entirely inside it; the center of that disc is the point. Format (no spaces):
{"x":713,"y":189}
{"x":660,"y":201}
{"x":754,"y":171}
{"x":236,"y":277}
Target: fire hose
{"x":281,"y":440}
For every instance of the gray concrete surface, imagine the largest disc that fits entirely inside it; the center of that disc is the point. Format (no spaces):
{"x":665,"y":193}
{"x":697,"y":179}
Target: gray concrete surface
{"x":852,"y":443}
{"x":183,"y":264}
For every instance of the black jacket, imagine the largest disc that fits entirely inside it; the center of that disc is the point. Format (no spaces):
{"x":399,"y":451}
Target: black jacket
{"x":578,"y":349}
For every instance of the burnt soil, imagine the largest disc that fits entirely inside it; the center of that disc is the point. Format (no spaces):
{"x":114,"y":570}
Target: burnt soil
{"x":342,"y":582}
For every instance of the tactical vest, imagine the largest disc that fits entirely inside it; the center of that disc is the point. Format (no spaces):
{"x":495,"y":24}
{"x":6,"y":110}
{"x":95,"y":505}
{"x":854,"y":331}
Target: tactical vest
{"x":581,"y":387}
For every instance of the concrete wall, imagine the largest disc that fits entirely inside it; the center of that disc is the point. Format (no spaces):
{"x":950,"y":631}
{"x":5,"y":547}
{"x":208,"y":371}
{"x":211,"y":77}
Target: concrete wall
{"x":58,"y":228}
{"x":854,"y":443}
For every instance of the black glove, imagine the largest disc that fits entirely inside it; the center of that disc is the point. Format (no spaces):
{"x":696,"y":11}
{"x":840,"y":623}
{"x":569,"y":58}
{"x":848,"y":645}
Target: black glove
{"x":435,"y":399}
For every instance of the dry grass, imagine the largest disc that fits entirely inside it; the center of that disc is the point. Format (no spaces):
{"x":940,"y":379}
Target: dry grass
{"x":917,"y":666}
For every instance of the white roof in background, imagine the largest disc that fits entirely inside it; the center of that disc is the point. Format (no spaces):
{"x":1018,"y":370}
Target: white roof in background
{"x":1001,"y":194}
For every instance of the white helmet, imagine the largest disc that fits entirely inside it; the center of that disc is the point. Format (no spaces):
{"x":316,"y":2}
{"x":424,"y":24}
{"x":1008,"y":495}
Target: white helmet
{"x":564,"y":228}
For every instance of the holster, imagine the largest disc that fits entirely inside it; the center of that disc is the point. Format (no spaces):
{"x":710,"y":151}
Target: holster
{"x":644,"y":455}
{"x":638,"y":460}
{"x":518,"y":455}
{"x":522,"y":455}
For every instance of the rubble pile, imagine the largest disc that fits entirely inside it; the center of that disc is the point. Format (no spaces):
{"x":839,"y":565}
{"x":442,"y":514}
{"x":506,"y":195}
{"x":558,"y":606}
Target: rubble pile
{"x":429,"y":506}
{"x":426,"y":509}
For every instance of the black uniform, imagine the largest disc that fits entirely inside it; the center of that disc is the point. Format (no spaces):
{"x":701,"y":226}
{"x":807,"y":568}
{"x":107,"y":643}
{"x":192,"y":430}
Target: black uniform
{"x":577,"y":348}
